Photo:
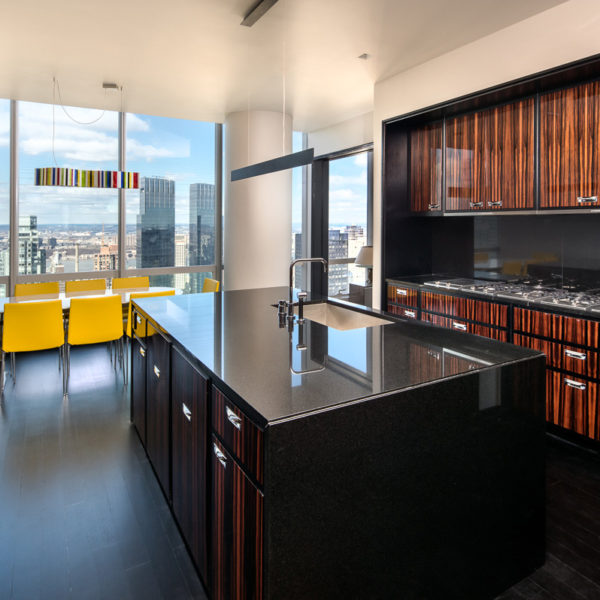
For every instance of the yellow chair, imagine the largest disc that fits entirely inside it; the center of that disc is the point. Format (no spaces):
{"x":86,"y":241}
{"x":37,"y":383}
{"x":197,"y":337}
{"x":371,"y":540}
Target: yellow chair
{"x":135,"y":295}
{"x":34,"y":289}
{"x":32,"y":326}
{"x":128,"y":283}
{"x":95,"y":321}
{"x":210,"y":285}
{"x":85,"y":285}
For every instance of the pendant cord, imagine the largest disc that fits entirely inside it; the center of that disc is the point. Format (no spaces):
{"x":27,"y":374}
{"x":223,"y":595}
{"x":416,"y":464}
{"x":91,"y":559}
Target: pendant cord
{"x":57,"y":85}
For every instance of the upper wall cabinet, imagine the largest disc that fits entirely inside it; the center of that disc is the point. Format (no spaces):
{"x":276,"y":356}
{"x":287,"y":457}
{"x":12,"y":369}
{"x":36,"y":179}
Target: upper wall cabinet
{"x":426,"y":168}
{"x":569,"y":151}
{"x":490,"y":159}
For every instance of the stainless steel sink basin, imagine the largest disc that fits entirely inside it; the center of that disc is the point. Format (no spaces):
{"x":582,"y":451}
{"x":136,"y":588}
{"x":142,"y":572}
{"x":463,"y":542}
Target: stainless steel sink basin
{"x":338,"y":317}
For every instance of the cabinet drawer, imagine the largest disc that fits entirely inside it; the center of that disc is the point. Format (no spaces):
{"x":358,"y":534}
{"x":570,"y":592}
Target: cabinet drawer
{"x":572,"y":403}
{"x":399,"y":294}
{"x":464,"y":326}
{"x":403,"y":311}
{"x":466,"y":308}
{"x":571,"y":330}
{"x":241,"y":436}
{"x":576,"y":360}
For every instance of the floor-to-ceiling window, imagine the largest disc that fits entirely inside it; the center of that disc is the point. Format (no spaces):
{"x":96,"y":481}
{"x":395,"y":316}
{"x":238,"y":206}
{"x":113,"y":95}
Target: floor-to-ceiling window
{"x":170,"y":220}
{"x":4,"y":194}
{"x":299,"y":221}
{"x":66,"y":230}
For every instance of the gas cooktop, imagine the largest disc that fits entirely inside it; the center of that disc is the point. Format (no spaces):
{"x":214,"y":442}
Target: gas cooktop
{"x":550,"y":292}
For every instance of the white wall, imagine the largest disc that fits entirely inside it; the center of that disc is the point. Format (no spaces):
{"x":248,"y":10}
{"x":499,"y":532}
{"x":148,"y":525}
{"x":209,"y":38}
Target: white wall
{"x":568,"y":32}
{"x":347,"y":134}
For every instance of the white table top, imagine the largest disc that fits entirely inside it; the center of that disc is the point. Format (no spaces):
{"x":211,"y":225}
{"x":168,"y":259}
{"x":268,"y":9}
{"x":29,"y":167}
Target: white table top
{"x":66,"y":298}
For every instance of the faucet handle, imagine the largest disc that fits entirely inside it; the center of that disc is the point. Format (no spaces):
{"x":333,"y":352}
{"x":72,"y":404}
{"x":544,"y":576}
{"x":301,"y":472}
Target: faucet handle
{"x":302,"y":295}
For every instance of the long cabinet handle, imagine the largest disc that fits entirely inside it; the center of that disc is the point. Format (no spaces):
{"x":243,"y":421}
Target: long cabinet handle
{"x":220,"y":456}
{"x":410,"y":313}
{"x":157,"y":371}
{"x":576,"y":355}
{"x":233,"y":418}
{"x":142,"y":351}
{"x":186,"y":411}
{"x":401,"y":292}
{"x":587,"y":199}
{"x":434,"y":206}
{"x":495,"y":203}
{"x":578,"y":385}
{"x":475,"y":204}
{"x":459,"y":326}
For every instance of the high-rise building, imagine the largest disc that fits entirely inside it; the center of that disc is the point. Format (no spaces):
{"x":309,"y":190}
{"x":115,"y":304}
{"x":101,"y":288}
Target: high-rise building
{"x":181,"y":260}
{"x":32,"y":258}
{"x":155,"y":241}
{"x":107,"y":259}
{"x":202,"y":228}
{"x":337,"y":274}
{"x":202,"y":224}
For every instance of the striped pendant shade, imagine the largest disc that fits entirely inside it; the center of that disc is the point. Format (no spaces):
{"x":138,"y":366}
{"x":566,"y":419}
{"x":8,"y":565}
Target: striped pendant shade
{"x":82,"y":178}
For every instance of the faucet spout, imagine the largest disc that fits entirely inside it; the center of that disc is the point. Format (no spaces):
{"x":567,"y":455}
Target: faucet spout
{"x":303,"y":260}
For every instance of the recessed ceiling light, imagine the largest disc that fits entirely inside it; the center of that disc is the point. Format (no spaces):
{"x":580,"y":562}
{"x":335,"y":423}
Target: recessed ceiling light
{"x":106,"y":85}
{"x":363,"y":56}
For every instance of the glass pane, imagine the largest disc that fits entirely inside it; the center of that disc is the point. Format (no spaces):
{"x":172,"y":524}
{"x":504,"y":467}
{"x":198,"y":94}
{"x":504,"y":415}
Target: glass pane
{"x":4,"y":184}
{"x":66,"y":229}
{"x":186,"y":282}
{"x":297,"y":224}
{"x":171,"y":218}
{"x":348,"y":189}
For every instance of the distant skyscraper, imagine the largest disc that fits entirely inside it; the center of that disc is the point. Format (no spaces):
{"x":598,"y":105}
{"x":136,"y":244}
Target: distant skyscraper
{"x":299,"y":272}
{"x":107,"y":259}
{"x":155,"y":243}
{"x":337,"y":274}
{"x":32,"y":258}
{"x":202,"y":227}
{"x":181,"y":260}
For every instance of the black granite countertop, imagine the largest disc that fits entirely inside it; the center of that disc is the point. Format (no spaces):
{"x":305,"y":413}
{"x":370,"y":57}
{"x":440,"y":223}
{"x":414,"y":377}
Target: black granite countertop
{"x":236,"y":336}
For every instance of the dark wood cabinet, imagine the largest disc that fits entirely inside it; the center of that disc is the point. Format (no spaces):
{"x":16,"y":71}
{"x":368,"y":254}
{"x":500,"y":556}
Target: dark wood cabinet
{"x":466,"y":326}
{"x":426,"y":147}
{"x":138,"y":387}
{"x":236,"y":530}
{"x":158,"y":407}
{"x":490,"y":313}
{"x":570,"y":147}
{"x":189,"y":456}
{"x":490,"y":159}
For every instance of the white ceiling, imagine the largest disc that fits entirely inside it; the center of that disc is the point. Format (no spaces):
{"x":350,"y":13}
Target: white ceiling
{"x":192,"y":59}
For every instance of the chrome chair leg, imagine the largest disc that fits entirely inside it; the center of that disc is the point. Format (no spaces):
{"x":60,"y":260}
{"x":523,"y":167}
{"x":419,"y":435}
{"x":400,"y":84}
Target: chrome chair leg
{"x":13,"y":366}
{"x":2,"y":374}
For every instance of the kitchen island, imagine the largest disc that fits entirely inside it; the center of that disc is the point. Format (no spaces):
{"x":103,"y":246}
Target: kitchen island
{"x":393,"y":461}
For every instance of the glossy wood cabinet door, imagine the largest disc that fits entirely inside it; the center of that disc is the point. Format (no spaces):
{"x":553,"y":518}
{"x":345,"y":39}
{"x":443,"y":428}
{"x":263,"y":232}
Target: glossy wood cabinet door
{"x":569,"y":147}
{"x":158,"y":408}
{"x":236,"y":530}
{"x":426,"y":168}
{"x":189,"y":456}
{"x":138,"y":388}
{"x":490,"y":158}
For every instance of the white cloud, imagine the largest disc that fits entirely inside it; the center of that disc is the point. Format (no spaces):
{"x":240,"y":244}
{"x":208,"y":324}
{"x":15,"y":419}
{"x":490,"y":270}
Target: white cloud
{"x":137,"y":150}
{"x":343,"y":194}
{"x":135,"y":123}
{"x":4,"y":140}
{"x":359,"y":179}
{"x":360,"y":160}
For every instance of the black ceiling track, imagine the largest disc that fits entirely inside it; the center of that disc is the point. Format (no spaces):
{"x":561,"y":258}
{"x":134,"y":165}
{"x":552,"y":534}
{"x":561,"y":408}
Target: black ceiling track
{"x":289,"y":161}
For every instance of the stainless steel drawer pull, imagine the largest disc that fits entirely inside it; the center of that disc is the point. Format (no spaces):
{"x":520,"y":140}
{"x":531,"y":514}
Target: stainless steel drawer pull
{"x":587,"y":199}
{"x":157,"y":371}
{"x":186,"y":411}
{"x":233,"y":418}
{"x":142,"y":352}
{"x":410,"y":313}
{"x":475,"y":204}
{"x":434,"y":354}
{"x":434,"y":206}
{"x":459,"y":326}
{"x":576,"y":355}
{"x":220,"y":456}
{"x":495,"y":203}
{"x":401,"y":292}
{"x":575,"y":384}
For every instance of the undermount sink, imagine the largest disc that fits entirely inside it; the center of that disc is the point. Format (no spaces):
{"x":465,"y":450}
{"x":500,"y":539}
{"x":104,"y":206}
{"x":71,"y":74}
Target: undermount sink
{"x":339,"y":317}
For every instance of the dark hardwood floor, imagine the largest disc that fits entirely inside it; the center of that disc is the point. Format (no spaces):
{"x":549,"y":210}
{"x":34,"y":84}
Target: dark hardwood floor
{"x":81,"y":512}
{"x":82,"y":515}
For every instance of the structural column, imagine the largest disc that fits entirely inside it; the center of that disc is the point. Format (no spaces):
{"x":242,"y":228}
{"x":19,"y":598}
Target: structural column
{"x":258,"y":211}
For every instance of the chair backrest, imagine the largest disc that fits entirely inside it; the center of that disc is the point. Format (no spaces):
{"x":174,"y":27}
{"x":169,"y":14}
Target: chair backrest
{"x":85,"y":285}
{"x":33,"y":326}
{"x":95,"y":320}
{"x":128,"y":283}
{"x":135,"y":295}
{"x":210,"y":285}
{"x":34,"y":289}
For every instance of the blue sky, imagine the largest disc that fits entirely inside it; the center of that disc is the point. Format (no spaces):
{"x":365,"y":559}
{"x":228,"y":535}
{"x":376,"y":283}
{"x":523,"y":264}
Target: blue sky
{"x":156,"y":146}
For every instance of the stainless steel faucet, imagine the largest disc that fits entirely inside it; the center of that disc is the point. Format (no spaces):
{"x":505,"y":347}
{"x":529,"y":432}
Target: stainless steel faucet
{"x":293,"y":264}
